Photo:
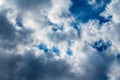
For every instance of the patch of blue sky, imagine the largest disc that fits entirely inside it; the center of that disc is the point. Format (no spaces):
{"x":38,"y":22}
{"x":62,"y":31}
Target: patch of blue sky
{"x":54,"y":29}
{"x":77,"y":28}
{"x":83,"y":11}
{"x":69,"y":52}
{"x":101,"y":45}
{"x":55,"y":50}
{"x":104,"y":20}
{"x":43,"y":47}
{"x":19,"y":22}
{"x":118,"y":56}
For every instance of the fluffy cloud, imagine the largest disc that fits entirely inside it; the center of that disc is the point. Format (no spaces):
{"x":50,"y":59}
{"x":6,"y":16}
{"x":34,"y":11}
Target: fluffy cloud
{"x":59,"y":40}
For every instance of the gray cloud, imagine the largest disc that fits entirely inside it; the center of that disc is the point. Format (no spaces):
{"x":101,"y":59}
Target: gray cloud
{"x":45,"y":67}
{"x":62,"y":36}
{"x":31,"y":4}
{"x":97,"y":66}
{"x":6,"y":28}
{"x":28,"y":67}
{"x":9,"y":36}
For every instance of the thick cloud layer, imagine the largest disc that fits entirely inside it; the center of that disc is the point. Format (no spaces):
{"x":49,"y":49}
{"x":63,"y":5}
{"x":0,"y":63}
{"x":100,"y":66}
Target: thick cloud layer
{"x":59,"y":40}
{"x":28,"y":67}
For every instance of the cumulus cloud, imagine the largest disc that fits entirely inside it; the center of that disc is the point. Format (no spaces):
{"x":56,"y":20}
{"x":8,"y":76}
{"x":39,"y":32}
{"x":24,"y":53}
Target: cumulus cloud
{"x":59,"y":39}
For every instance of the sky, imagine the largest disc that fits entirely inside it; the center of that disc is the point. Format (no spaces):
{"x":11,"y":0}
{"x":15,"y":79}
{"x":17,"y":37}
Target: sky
{"x":59,"y":39}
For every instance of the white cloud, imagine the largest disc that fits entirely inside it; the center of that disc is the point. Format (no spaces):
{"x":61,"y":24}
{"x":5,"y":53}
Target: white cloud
{"x":35,"y":19}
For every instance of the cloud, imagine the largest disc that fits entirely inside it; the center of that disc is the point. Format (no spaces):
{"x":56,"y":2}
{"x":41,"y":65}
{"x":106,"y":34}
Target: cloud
{"x":114,"y":71}
{"x":10,"y":37}
{"x":113,"y":9}
{"x":26,"y":5}
{"x":90,"y":64}
{"x":29,"y":67}
{"x":7,"y":30}
{"x":47,"y":40}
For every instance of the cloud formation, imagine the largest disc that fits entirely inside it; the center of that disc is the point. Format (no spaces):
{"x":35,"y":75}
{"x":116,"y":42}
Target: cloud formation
{"x":28,"y":67}
{"x":59,"y":40}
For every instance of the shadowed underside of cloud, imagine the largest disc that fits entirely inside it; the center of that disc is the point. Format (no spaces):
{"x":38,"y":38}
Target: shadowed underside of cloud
{"x":28,"y":67}
{"x":9,"y":36}
{"x":31,"y":4}
{"x":45,"y":67}
{"x":6,"y":28}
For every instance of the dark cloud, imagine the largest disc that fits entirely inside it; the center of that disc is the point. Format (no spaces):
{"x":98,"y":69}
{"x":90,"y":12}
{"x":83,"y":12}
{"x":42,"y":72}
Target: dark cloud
{"x":7,"y":32}
{"x":45,"y":67}
{"x":6,"y":28}
{"x":97,"y":65}
{"x":9,"y":36}
{"x":32,"y":4}
{"x":29,"y":67}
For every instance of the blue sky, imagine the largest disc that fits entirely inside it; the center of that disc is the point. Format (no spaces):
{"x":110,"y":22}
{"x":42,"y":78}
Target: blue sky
{"x":59,"y":39}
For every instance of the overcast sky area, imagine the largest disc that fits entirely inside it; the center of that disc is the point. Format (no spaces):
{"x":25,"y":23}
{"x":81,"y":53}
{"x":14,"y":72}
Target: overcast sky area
{"x":59,"y":39}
